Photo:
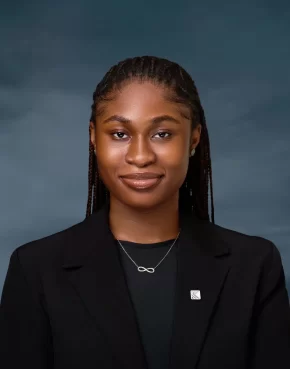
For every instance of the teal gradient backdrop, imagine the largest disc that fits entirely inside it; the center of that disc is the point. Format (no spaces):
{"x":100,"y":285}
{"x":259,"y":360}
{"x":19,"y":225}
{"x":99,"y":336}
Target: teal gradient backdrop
{"x":53,"y":53}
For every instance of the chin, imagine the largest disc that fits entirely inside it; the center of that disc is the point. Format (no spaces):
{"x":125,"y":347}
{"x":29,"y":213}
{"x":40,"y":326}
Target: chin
{"x":141,"y":202}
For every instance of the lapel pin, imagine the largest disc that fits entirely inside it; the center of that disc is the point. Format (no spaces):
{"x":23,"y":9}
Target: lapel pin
{"x":195,"y":295}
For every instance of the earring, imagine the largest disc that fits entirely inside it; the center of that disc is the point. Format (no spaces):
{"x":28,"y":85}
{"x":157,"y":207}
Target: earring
{"x":192,"y":152}
{"x":95,"y":151}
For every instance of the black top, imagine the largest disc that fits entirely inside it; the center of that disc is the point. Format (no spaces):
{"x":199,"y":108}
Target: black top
{"x":66,"y":304}
{"x":152,"y":295}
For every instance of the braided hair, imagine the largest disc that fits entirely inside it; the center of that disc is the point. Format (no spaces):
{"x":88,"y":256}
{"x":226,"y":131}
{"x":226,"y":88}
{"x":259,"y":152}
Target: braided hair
{"x":193,"y":194}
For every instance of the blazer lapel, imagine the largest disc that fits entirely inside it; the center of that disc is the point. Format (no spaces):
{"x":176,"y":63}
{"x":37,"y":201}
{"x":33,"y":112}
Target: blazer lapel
{"x":199,"y":267}
{"x":93,"y":266}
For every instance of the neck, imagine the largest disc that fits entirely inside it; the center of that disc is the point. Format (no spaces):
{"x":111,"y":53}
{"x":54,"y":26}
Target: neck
{"x":144,"y":226}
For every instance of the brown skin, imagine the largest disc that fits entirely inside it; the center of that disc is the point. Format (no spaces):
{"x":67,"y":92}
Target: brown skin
{"x":140,"y":146}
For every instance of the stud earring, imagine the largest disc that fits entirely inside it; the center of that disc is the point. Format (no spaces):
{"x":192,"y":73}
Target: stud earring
{"x":192,"y":152}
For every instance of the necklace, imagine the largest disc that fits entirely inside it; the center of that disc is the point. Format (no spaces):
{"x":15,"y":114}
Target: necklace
{"x":149,"y":270}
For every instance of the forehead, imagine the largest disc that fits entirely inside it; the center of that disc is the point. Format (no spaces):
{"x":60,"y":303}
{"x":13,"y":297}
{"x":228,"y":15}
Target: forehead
{"x":144,"y":98}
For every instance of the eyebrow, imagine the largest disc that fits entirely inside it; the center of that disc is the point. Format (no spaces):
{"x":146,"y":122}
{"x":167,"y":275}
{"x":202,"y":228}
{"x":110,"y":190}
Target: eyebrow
{"x":155,"y":120}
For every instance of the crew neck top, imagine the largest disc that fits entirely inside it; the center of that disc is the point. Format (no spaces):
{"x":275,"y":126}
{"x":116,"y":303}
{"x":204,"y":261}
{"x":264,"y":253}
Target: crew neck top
{"x":152,"y":295}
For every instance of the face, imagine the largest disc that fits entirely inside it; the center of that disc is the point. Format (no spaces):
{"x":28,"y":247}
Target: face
{"x":139,"y":131}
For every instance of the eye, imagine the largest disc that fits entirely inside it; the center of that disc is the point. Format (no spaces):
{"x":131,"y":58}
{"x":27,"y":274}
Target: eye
{"x":118,"y":133}
{"x":164,"y":133}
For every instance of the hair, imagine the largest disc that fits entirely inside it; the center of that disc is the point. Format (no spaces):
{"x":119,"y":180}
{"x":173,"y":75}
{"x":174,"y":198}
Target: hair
{"x":193,"y":194}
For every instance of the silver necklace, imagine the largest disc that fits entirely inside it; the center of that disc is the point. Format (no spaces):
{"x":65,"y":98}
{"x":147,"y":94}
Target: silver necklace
{"x":149,"y":270}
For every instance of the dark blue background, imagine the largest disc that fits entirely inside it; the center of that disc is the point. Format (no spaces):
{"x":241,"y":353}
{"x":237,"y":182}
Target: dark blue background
{"x":53,"y":53}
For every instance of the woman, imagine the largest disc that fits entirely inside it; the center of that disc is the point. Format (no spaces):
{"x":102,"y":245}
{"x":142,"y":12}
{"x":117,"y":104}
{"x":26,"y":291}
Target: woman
{"x":146,"y":280}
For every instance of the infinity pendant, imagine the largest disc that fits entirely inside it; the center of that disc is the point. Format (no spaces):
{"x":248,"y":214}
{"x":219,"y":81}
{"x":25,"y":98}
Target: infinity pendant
{"x":149,"y":270}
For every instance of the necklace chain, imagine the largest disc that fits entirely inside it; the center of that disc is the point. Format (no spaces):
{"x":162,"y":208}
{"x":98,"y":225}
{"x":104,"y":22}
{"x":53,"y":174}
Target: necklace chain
{"x":149,"y":270}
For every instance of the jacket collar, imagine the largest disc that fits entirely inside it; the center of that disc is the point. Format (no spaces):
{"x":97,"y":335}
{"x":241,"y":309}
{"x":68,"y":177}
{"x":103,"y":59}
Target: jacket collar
{"x":93,"y":266}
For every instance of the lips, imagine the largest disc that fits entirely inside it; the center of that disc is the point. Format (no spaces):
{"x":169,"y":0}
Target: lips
{"x":140,"y":176}
{"x":142,"y":181}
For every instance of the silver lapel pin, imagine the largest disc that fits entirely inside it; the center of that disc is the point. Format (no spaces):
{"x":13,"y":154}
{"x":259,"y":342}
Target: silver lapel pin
{"x":195,"y":295}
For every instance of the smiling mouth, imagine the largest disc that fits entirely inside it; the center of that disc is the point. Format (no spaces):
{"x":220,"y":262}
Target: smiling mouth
{"x":142,"y":184}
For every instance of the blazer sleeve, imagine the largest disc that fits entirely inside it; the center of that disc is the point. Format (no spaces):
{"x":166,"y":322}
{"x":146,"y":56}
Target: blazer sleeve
{"x":24,"y":328}
{"x":271,"y":339}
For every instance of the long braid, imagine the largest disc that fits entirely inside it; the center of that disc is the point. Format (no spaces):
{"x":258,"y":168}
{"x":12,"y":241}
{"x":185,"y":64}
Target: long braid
{"x":194,"y":191}
{"x":90,"y":179}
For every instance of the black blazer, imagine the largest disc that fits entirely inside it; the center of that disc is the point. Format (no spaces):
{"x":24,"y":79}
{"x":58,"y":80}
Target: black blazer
{"x":66,"y":305}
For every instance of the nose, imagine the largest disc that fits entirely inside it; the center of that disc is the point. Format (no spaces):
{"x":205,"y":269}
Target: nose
{"x":140,"y":153}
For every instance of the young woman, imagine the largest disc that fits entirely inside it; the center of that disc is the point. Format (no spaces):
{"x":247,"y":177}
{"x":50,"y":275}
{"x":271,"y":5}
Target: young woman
{"x":146,"y":280}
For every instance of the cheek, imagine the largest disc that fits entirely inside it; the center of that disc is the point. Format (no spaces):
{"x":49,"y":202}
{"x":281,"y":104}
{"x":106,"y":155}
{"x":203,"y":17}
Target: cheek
{"x":174,"y":156}
{"x":108,"y":153}
{"x":176,"y":169}
{"x":175,"y":165}
{"x":112,"y":156}
{"x":110,"y":159}
{"x":108,"y":164}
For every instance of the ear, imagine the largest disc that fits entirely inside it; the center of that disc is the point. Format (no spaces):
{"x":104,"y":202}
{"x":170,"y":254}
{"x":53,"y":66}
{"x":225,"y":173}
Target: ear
{"x":92,"y":134}
{"x":195,"y":137}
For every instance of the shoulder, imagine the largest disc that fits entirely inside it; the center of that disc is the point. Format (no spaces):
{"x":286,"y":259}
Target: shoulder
{"x":250,"y":249}
{"x":47,"y":251}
